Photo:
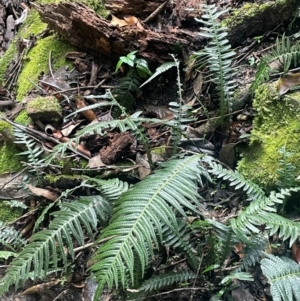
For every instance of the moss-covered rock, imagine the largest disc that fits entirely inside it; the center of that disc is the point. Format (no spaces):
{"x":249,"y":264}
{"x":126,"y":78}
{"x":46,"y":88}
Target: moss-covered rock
{"x":277,"y":124}
{"x":46,"y":109}
{"x":6,"y":132}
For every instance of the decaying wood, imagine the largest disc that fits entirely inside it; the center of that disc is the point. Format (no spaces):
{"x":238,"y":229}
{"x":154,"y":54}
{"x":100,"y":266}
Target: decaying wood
{"x":82,"y":27}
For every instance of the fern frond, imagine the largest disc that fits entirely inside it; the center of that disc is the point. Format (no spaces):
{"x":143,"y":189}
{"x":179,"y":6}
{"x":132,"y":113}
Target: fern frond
{"x":181,"y":241}
{"x":284,"y":277}
{"x":286,"y":170}
{"x":217,"y":55}
{"x":261,"y":212}
{"x":110,"y":189}
{"x":160,"y":281}
{"x":237,"y":180}
{"x":161,"y":69}
{"x":139,"y":216}
{"x":9,"y":236}
{"x":48,"y":245}
{"x":283,"y":55}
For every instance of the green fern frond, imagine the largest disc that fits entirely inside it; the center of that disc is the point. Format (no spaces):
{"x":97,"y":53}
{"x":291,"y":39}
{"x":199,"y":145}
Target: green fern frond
{"x":217,"y":55}
{"x":284,"y":277}
{"x":139,"y":216}
{"x":110,"y":189}
{"x":161,"y":69}
{"x":48,"y":245}
{"x":261,"y":212}
{"x":237,"y":180}
{"x":286,"y":170}
{"x":10,"y":237}
{"x":282,"y":56}
{"x":160,"y":281}
{"x":181,"y":241}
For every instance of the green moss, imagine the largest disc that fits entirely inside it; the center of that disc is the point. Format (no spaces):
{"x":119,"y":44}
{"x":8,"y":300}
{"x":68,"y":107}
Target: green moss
{"x":9,"y":161}
{"x":97,"y":5}
{"x":32,"y":25}
{"x":276,"y":124}
{"x":23,"y":118}
{"x":6,"y":131}
{"x":37,"y":62}
{"x":8,"y":214}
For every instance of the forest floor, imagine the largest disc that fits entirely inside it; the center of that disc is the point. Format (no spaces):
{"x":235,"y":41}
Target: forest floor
{"x":121,"y":155}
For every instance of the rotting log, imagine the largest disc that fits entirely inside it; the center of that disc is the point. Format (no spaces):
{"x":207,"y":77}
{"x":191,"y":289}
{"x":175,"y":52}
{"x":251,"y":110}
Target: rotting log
{"x":83,"y":28}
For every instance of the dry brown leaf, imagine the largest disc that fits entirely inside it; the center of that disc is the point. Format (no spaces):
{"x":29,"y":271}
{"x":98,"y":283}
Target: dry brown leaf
{"x":116,"y":21}
{"x":88,"y":114}
{"x":288,"y":82}
{"x":49,"y":195}
{"x":96,"y":162}
{"x":134,"y":21}
{"x":40,"y":288}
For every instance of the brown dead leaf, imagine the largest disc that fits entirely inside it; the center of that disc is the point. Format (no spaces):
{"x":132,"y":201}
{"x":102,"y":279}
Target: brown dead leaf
{"x":144,"y":166}
{"x":96,"y":162}
{"x":288,"y":82}
{"x":41,"y":288}
{"x":116,"y":21}
{"x":49,"y":195}
{"x":88,"y":114}
{"x":134,"y":21}
{"x":296,"y":252}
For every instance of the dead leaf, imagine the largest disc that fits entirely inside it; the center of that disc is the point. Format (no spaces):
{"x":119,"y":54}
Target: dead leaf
{"x":134,"y":21}
{"x":49,"y":195}
{"x":227,"y":154}
{"x":40,"y":288}
{"x":116,"y":21}
{"x":288,"y":82}
{"x":197,"y":84}
{"x":144,"y":166}
{"x":96,"y":162}
{"x":88,"y":114}
{"x":296,"y":252}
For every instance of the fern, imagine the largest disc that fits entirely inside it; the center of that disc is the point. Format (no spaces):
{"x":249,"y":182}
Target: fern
{"x":161,"y":69}
{"x":139,"y":216}
{"x":167,"y":279}
{"x":10,"y":237}
{"x":284,"y":277}
{"x":237,"y":180}
{"x":283,"y":55}
{"x":48,"y":245}
{"x":286,"y":171}
{"x":217,"y":55}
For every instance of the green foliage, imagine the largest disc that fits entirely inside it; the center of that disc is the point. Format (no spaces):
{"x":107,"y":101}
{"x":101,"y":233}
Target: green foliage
{"x":284,"y":277}
{"x":166,"y":279}
{"x":139,"y":217}
{"x":48,"y":245}
{"x":286,"y":171}
{"x":10,"y":238}
{"x":217,"y":55}
{"x":282,"y":56}
{"x":128,"y":86}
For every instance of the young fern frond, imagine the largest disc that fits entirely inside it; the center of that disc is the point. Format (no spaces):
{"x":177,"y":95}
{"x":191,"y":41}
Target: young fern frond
{"x":46,"y":248}
{"x":217,"y":55}
{"x":139,"y":217}
{"x":284,"y":277}
{"x":166,"y":279}
{"x":282,"y":56}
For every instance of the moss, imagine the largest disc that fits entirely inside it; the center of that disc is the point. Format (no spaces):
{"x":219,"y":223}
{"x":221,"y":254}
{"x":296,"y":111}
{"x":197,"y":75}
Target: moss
{"x":23,"y":118}
{"x":97,"y":5}
{"x":9,"y":161}
{"x":276,"y":124}
{"x":37,"y":62}
{"x":8,"y":214}
{"x":6,"y":131}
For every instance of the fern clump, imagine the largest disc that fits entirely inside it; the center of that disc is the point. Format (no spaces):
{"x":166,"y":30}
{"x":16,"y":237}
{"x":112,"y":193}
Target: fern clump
{"x":217,"y":56}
